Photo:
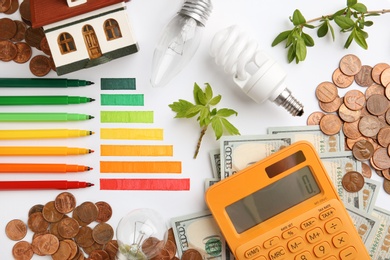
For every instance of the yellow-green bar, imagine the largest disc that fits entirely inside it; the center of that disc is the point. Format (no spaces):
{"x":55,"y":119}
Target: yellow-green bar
{"x":136,"y":150}
{"x":126,"y":116}
{"x":132,"y":133}
{"x":140,"y":167}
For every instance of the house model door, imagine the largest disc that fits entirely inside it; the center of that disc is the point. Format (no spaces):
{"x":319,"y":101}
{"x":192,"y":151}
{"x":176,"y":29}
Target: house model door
{"x":91,"y":42}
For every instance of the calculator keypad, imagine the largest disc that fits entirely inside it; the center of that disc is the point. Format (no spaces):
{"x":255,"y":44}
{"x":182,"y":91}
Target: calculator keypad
{"x":325,"y":234}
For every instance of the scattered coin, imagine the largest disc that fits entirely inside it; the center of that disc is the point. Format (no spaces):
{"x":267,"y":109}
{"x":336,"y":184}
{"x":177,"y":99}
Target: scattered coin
{"x":326,"y":92}
{"x":341,"y":80}
{"x":353,"y":181}
{"x":16,"y":229}
{"x":330,"y":124}
{"x":363,"y":77}
{"x":104,"y":211}
{"x":22,"y":250}
{"x":314,"y":118}
{"x":363,"y":150}
{"x":350,"y":65}
{"x":377,"y":104}
{"x":377,"y":71}
{"x":40,"y":65}
{"x":354,"y":99}
{"x":191,"y":254}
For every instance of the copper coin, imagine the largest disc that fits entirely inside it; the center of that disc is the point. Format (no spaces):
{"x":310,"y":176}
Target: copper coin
{"x":348,"y":115}
{"x":44,"y":46}
{"x":13,"y":8}
{"x":35,"y":242}
{"x":151,"y":246}
{"x":48,"y":244}
{"x":54,"y":229}
{"x":162,"y":255}
{"x":8,"y":28}
{"x":363,"y":77}
{"x":354,"y":99}
{"x":5,"y":5}
{"x":50,"y":213}
{"x":87,"y":211}
{"x":40,"y":65}
{"x":352,"y":181}
{"x":8,"y":50}
{"x":92,"y":248}
{"x":102,"y":233}
{"x":111,"y":248}
{"x":330,"y":124}
{"x":24,"y":10}
{"x":387,"y":92}
{"x":384,"y":136}
{"x":99,"y":255}
{"x":35,"y":208}
{"x":191,"y":254}
{"x":104,"y":211}
{"x":73,"y":248}
{"x":386,"y":186}
{"x":22,"y":250}
{"x":37,"y":223}
{"x":65,"y":202}
{"x":385,"y":77}
{"x":326,"y":92}
{"x":386,"y":173}
{"x":314,"y":118}
{"x":381,"y":158}
{"x":64,"y":251}
{"x":387,"y":116}
{"x":34,"y":36}
{"x":16,"y":229}
{"x":363,"y":150}
{"x":76,"y":217}
{"x":20,"y":31}
{"x":377,"y":71}
{"x":341,"y":80}
{"x":24,"y":52}
{"x":369,"y":126}
{"x":350,"y":64}
{"x":377,"y":104}
{"x":84,"y":237}
{"x":68,"y":227}
{"x":351,"y":129}
{"x":331,"y":107}
{"x":366,"y":170}
{"x":374,"y":89}
{"x":171,"y":248}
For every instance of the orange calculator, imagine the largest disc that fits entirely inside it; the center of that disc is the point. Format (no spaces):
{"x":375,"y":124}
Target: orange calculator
{"x":285,"y":207}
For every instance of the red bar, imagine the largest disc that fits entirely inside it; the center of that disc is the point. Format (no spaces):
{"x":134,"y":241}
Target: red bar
{"x":144,"y":184}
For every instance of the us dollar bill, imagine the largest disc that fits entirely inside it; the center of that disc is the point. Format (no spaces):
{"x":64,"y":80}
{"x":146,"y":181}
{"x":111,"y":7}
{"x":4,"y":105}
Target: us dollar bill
{"x":370,"y":193}
{"x":215,"y":160}
{"x":312,"y":133}
{"x":239,"y":152}
{"x":199,"y":231}
{"x":337,"y":165}
{"x":380,"y":246}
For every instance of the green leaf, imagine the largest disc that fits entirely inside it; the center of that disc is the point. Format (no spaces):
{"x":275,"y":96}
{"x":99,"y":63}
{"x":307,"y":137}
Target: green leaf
{"x":204,"y":117}
{"x":225,"y":112}
{"x":216,"y":124}
{"x":193,"y":111}
{"x":344,"y":22}
{"x":208,"y":92}
{"x":202,"y":98}
{"x":298,"y":18}
{"x":231,"y":129}
{"x":196,"y":90}
{"x":360,"y":39}
{"x":308,"y":40}
{"x":351,"y":2}
{"x":349,"y":40}
{"x":215,"y":100}
{"x":332,"y":31}
{"x":359,"y":7}
{"x":310,"y":26}
{"x":338,"y":13}
{"x":281,"y":37}
{"x":301,"y":49}
{"x":291,"y":54}
{"x":323,"y":29}
{"x":368,"y":23}
{"x":181,"y":107}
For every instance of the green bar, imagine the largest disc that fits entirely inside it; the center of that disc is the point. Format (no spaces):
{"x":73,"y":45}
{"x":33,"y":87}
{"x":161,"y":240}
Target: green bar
{"x":43,"y":100}
{"x":126,"y":116}
{"x":122,"y":99}
{"x":42,"y":117}
{"x":117,"y":83}
{"x":42,"y":83}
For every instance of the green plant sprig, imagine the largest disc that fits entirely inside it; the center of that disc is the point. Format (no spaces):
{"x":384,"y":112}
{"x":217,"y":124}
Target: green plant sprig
{"x":204,"y":101}
{"x":352,"y":19}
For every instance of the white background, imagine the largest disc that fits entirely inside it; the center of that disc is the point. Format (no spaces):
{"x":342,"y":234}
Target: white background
{"x":264,"y":19}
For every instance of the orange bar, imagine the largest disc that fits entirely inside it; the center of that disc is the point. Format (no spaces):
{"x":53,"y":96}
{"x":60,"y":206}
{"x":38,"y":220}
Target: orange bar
{"x":136,"y":150}
{"x":140,"y":167}
{"x":41,"y":168}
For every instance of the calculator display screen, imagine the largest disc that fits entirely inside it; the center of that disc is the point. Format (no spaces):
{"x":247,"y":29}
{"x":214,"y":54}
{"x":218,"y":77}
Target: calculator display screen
{"x":273,"y":199}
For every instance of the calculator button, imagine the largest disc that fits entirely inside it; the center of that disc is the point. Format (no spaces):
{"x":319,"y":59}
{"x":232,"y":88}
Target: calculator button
{"x":290,"y":233}
{"x":308,"y":223}
{"x":296,"y":244}
{"x":322,"y":249}
{"x":330,"y":213}
{"x":260,"y":258}
{"x":340,"y":240}
{"x":333,"y":225}
{"x":331,"y":258}
{"x":348,"y":254}
{"x":252,"y":252}
{"x":271,"y":242}
{"x":304,"y":256}
{"x":314,"y":235}
{"x":278,"y":253}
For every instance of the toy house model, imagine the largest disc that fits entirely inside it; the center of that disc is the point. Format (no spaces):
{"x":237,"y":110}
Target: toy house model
{"x":84,"y":33}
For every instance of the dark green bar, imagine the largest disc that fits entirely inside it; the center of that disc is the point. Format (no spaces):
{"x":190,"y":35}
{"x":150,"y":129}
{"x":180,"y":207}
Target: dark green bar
{"x":117,"y":83}
{"x":122,"y":99}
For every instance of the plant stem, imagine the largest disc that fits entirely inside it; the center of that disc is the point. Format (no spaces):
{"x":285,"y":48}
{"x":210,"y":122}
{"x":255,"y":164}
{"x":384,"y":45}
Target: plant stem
{"x":383,"y":11}
{"x":200,"y":140}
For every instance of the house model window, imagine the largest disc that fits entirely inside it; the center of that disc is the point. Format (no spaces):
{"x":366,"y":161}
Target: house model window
{"x":112,"y":29}
{"x":66,"y":43}
{"x":72,"y":3}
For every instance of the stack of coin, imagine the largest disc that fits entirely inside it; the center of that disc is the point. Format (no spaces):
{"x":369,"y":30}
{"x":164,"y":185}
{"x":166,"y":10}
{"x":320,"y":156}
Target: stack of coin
{"x":362,"y":115}
{"x":17,"y":38}
{"x":62,"y":230}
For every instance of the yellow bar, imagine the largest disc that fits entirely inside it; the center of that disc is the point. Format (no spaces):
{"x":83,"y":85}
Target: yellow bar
{"x":132,"y":133}
{"x":136,"y":150}
{"x":140,"y":167}
{"x":42,"y":133}
{"x":42,"y":151}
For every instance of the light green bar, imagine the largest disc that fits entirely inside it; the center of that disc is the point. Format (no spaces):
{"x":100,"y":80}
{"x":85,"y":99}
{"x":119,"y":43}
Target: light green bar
{"x":126,"y":116}
{"x":122,"y":99}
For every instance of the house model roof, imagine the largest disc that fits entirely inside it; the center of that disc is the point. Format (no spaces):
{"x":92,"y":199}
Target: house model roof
{"x":44,"y":12}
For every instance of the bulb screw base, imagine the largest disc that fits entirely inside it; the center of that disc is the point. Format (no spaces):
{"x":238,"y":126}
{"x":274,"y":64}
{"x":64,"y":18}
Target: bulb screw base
{"x":200,"y":10}
{"x":290,"y":103}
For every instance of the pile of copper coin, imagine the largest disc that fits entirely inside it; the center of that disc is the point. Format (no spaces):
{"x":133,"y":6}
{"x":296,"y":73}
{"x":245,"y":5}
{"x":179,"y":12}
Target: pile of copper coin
{"x":18,"y":38}
{"x":62,"y":230}
{"x":363,"y":114}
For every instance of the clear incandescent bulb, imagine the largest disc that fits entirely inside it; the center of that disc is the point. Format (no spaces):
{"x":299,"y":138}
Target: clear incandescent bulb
{"x":141,"y":234}
{"x":257,"y":74}
{"x":179,"y":41}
